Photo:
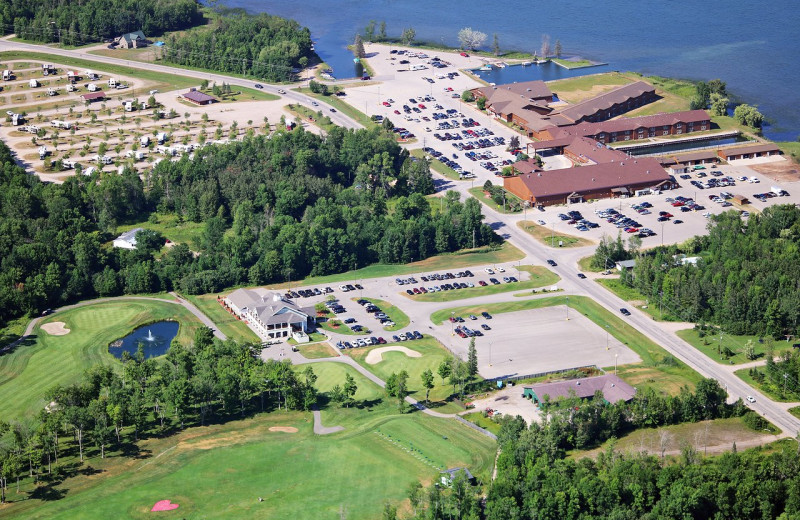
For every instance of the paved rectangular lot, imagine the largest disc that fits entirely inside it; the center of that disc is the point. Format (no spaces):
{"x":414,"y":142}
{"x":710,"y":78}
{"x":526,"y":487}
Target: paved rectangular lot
{"x":540,"y":340}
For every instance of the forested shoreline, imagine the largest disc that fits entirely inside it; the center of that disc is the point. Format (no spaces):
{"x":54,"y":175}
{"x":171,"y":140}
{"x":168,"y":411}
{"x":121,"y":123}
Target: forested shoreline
{"x":276,"y":207}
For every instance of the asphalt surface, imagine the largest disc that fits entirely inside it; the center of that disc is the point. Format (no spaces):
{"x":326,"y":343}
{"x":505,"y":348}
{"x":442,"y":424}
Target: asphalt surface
{"x":536,"y":253}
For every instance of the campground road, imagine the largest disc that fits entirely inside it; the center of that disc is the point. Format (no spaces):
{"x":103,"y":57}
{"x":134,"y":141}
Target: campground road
{"x":337,"y":117}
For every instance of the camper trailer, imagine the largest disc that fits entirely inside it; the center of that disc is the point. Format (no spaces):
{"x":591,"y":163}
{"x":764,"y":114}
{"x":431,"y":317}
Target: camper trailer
{"x":17,"y":119}
{"x":31,"y":129}
{"x":90,"y":170}
{"x":51,"y":91}
{"x":71,"y":88}
{"x":71,"y":77}
{"x":42,"y":152}
{"x":67,"y":164}
{"x":112,"y":82}
{"x":161,"y":137}
{"x":33,"y":83}
{"x":103,"y":159}
{"x":48,"y":68}
{"x":92,"y":87}
{"x":66,"y":125}
{"x":7,"y":74}
{"x":144,"y":141}
{"x":128,"y":106}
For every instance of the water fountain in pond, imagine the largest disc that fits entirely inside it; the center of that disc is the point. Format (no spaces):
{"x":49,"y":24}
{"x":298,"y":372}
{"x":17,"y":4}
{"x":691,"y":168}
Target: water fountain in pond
{"x":155,"y":340}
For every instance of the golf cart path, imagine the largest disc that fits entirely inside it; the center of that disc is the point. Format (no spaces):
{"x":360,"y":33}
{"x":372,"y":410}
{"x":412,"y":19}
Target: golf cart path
{"x":319,"y":429}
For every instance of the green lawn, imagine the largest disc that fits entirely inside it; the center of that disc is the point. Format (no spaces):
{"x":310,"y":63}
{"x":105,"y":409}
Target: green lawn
{"x":395,"y":314}
{"x":482,"y":196}
{"x":635,"y":298}
{"x":224,"y":320}
{"x":342,"y":106}
{"x":585,"y":265}
{"x":317,"y":350}
{"x":176,"y":230}
{"x":539,"y":277}
{"x":163,"y":81}
{"x":658,"y":368}
{"x":465,"y":258}
{"x":309,"y":115}
{"x":795,"y":411}
{"x":314,"y":337}
{"x":433,"y":353}
{"x":711,"y":346}
{"x":436,"y":166}
{"x":330,"y":374}
{"x":220,"y":471}
{"x":549,"y":238}
{"x":791,"y":149}
{"x":573,"y":64}
{"x":487,"y":423}
{"x":245,"y":94}
{"x":341,"y":329}
{"x":31,"y":369}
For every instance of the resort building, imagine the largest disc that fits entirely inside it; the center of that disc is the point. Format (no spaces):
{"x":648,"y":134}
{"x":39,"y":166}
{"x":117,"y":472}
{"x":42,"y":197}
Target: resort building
{"x":633,"y":128}
{"x":199,"y":98}
{"x":269,"y":315}
{"x":611,"y":104}
{"x":91,"y":97}
{"x":749,"y":152}
{"x":610,"y":386}
{"x":127,"y":240}
{"x":617,"y":178}
{"x":133,"y":40}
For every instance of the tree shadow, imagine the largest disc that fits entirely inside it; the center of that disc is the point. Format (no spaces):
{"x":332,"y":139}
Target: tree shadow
{"x":25,"y":341}
{"x":48,"y":493}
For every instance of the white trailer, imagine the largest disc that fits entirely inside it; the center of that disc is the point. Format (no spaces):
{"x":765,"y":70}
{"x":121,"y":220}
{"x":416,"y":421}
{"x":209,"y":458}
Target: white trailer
{"x":777,"y":190}
{"x":67,"y":164}
{"x":51,"y":91}
{"x":144,"y":141}
{"x":32,"y":129}
{"x":103,"y":159}
{"x":33,"y":83}
{"x":90,"y":170}
{"x":7,"y":74}
{"x":128,"y":106}
{"x":57,"y":123}
{"x":161,"y":137}
{"x":112,"y":82}
{"x":17,"y":119}
{"x":92,"y":87}
{"x":71,"y":88}
{"x":42,"y":152}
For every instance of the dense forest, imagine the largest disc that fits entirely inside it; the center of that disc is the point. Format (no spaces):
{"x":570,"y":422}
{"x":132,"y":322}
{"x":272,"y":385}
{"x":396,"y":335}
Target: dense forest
{"x":747,"y":281}
{"x":110,"y":410}
{"x":273,"y":207}
{"x":264,"y":46}
{"x":531,"y":484}
{"x":76,"y":22}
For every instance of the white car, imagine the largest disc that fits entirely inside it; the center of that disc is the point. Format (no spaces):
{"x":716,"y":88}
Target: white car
{"x":541,"y":222}
{"x":314,"y":104}
{"x":281,"y":91}
{"x":501,"y":270}
{"x":489,"y":271}
{"x":751,"y":399}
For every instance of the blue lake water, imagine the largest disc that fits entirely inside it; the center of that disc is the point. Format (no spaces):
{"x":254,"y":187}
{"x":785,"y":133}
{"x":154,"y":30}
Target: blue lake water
{"x":751,"y":46}
{"x":155,"y":338}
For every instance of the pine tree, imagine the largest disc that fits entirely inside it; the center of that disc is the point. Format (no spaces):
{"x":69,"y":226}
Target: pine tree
{"x":472,"y":358}
{"x":358,"y":47}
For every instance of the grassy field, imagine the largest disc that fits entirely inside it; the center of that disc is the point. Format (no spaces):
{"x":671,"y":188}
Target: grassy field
{"x":718,"y":432}
{"x":342,"y":106}
{"x":737,"y":344}
{"x":539,"y":277}
{"x":309,"y":115}
{"x":317,"y":350}
{"x":572,"y":64}
{"x":433,"y":354}
{"x":395,"y":314}
{"x":795,"y":411}
{"x":222,"y":470}
{"x":162,"y":81}
{"x":465,"y":258}
{"x":768,"y":388}
{"x":177,"y":230}
{"x":551,"y":239}
{"x":484,"y":422}
{"x":575,"y":90}
{"x":482,"y":196}
{"x":658,"y":368}
{"x":225,"y":321}
{"x":791,"y":149}
{"x":31,"y":369}
{"x":436,"y":166}
{"x":635,"y":298}
{"x":585,"y":265}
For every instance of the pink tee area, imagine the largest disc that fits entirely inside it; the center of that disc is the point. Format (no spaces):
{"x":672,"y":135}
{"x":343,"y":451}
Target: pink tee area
{"x":164,"y":505}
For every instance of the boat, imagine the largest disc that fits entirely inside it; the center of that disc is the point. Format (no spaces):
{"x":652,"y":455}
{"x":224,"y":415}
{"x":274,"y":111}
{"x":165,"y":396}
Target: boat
{"x":486,"y":67}
{"x":356,"y":60}
{"x":327,"y":76}
{"x":116,"y":344}
{"x":501,"y":64}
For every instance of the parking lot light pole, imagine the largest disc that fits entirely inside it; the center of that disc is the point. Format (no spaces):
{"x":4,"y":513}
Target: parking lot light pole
{"x":490,"y":353}
{"x":567,"y":308}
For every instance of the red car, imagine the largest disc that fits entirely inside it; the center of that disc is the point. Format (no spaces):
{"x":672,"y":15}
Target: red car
{"x":465,"y":54}
{"x":421,"y":106}
{"x":677,"y":204}
{"x":386,"y":104}
{"x":397,"y":112}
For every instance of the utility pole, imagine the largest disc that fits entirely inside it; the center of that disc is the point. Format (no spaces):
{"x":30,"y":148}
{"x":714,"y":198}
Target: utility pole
{"x":607,"y":341}
{"x":473,"y":238}
{"x":567,"y":308}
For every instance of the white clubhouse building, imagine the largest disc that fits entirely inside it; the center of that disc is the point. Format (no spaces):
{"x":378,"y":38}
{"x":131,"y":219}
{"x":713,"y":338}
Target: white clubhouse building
{"x":269,"y":315}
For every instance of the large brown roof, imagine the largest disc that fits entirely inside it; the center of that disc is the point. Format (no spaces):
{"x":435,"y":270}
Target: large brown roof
{"x":606,"y":101}
{"x":199,"y":97}
{"x":595,"y":177}
{"x":613,"y":388}
{"x":591,"y":150}
{"x":528,"y":89}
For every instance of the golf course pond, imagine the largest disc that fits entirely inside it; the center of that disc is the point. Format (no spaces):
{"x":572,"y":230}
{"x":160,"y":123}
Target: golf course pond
{"x":155,"y":339}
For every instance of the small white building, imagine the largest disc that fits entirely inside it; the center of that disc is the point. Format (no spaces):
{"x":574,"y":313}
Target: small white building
{"x":625,"y":265}
{"x":127,"y":240}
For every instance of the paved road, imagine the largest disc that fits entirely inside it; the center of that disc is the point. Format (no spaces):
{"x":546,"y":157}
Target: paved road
{"x":319,"y":429}
{"x":295,"y":97}
{"x":205,"y":320}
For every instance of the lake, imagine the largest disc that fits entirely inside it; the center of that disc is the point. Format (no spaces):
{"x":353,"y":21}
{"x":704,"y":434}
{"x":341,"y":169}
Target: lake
{"x":751,"y":46}
{"x":155,"y":339}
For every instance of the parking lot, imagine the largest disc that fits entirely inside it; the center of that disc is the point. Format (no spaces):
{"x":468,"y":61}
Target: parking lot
{"x":540,"y":340}
{"x":427,"y":105}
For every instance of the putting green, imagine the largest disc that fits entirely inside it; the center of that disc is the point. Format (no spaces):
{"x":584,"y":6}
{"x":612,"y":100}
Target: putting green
{"x":31,"y":369}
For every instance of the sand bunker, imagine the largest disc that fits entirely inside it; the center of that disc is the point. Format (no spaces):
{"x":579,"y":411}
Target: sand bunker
{"x":376,"y":356}
{"x":284,"y":429}
{"x":55,"y":328}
